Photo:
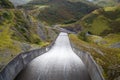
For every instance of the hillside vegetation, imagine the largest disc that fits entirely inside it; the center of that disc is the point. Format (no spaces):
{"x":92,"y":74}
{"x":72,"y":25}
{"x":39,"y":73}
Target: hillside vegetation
{"x":58,"y":11}
{"x":106,"y":3}
{"x":97,"y":29}
{"x":103,"y":21}
{"x":21,"y":32}
{"x":100,"y":36}
{"x":101,"y":3}
{"x":107,"y":58}
{"x":5,"y":4}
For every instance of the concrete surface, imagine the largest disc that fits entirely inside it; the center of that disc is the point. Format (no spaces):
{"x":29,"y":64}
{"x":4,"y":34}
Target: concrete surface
{"x":59,"y":63}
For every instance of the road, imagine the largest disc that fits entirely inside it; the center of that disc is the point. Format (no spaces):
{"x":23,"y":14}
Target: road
{"x":59,"y":63}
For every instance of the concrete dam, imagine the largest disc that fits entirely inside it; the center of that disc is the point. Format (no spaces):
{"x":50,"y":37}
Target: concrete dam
{"x":60,"y":61}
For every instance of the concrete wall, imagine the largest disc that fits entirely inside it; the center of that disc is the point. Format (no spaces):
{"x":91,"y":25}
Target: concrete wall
{"x":13,"y":68}
{"x":19,"y":62}
{"x":93,"y":68}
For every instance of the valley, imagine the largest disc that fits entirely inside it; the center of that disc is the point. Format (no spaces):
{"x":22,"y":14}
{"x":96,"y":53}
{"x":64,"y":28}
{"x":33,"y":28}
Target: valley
{"x":93,"y":27}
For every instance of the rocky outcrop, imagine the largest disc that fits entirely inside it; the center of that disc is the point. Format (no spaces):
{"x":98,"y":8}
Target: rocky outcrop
{"x":20,"y":34}
{"x":116,"y":45}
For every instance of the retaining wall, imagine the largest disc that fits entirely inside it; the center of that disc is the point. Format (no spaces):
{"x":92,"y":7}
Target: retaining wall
{"x":13,"y":68}
{"x":94,"y":70}
{"x":19,"y":62}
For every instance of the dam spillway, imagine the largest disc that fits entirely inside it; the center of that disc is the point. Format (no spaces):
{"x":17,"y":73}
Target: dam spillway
{"x":59,"y":63}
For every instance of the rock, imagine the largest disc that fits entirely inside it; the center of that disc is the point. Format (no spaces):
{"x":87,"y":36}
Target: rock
{"x":116,"y":45}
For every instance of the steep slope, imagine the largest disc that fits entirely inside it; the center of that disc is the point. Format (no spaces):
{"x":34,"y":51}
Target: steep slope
{"x":100,"y":36}
{"x":5,"y":4}
{"x":107,"y":58}
{"x":102,"y":3}
{"x":58,"y":11}
{"x":20,"y":32}
{"x":103,"y":21}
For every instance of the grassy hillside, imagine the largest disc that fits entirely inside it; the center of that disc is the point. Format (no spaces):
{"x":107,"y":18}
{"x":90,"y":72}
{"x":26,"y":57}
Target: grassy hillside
{"x":104,"y":3}
{"x":15,"y":20}
{"x":20,"y":32}
{"x":103,"y":25}
{"x":58,"y":11}
{"x":103,"y":21}
{"x":6,"y":4}
{"x":100,"y":30}
{"x":107,"y":58}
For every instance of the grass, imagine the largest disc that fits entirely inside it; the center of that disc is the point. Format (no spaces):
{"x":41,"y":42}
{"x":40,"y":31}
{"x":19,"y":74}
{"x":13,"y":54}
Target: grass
{"x":6,"y":4}
{"x":101,"y":25}
{"x":107,"y":58}
{"x":105,"y":3}
{"x":19,"y":30}
{"x":110,"y":8}
{"x":106,"y":41}
{"x":104,"y":26}
{"x":112,"y":39}
{"x":102,"y":21}
{"x":61,"y":12}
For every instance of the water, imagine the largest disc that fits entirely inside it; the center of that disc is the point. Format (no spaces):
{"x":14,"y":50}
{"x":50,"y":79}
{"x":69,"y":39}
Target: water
{"x":60,"y":63}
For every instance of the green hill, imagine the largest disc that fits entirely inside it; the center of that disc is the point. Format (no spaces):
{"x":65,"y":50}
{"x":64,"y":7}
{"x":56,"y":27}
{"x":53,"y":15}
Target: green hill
{"x":59,"y":11}
{"x":106,"y":3}
{"x":100,"y":30}
{"x":6,"y":4}
{"x":21,"y":32}
{"x":102,"y":3}
{"x":103,"y":21}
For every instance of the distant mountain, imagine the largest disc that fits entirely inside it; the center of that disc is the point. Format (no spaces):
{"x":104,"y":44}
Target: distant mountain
{"x":19,"y":2}
{"x":102,"y":3}
{"x":58,"y":11}
{"x":105,"y":3}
